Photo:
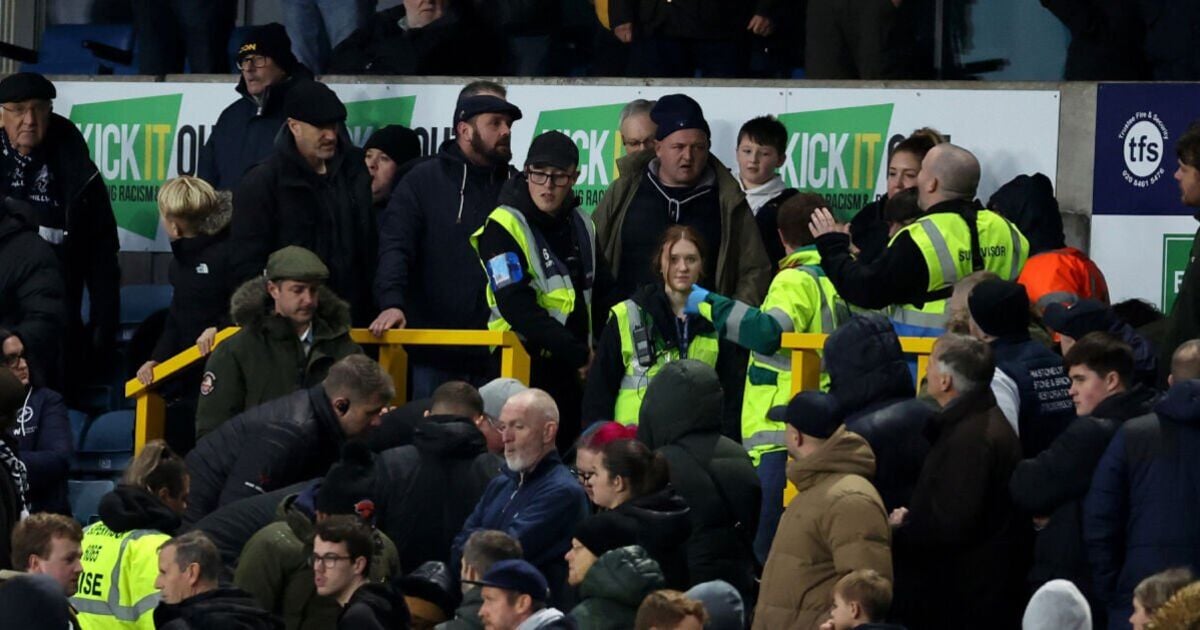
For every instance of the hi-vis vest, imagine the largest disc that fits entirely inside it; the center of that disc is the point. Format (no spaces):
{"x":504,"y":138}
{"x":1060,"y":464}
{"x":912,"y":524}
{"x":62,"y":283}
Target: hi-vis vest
{"x":802,"y":300}
{"x":116,"y":589}
{"x":944,"y":239}
{"x":644,"y":355}
{"x":549,"y":276}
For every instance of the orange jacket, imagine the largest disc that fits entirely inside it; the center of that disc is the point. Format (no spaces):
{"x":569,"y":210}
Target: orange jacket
{"x":1062,"y":275}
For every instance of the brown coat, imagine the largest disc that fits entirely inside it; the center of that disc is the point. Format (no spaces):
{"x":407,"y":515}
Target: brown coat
{"x":836,"y":524}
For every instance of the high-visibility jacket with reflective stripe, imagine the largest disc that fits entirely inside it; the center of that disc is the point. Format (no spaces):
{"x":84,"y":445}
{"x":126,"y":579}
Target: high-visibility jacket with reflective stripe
{"x":1062,"y":276}
{"x":628,"y":317}
{"x":549,"y":276}
{"x":944,"y":240}
{"x":116,"y":589}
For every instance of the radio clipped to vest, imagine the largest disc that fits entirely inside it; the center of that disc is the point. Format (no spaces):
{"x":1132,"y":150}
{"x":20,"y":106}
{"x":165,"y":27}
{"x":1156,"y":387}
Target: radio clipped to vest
{"x":643,"y":345}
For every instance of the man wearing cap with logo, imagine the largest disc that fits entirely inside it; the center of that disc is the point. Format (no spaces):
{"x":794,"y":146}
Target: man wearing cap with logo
{"x":293,"y":328}
{"x":47,"y":175}
{"x":681,"y":182}
{"x":424,"y":242}
{"x":539,"y":252}
{"x":245,"y":132}
{"x":313,"y":191}
{"x":515,"y":596}
{"x":835,"y":524}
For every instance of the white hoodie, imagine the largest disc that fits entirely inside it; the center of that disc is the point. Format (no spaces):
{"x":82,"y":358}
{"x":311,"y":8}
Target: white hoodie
{"x":541,"y":618}
{"x":758,"y":196}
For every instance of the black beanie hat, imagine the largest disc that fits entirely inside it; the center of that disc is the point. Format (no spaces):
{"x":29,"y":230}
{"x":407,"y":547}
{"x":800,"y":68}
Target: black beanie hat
{"x":999,"y":307}
{"x":399,"y":143}
{"x":270,"y":40}
{"x":606,"y":531}
{"x":675,"y":112}
{"x":25,"y":86}
{"x":349,"y":486}
{"x":553,"y":149}
{"x":314,"y":103}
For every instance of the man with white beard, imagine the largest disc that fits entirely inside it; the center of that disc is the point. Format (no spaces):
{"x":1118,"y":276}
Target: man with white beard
{"x":536,"y":500}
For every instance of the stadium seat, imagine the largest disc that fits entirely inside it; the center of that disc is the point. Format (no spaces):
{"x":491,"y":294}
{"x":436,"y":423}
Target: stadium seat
{"x":105,"y":445}
{"x":85,"y":498}
{"x":79,"y":420}
{"x":86,"y":49}
{"x":139,"y":302}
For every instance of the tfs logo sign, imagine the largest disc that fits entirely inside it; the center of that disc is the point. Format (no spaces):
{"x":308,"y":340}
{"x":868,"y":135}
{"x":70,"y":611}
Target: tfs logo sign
{"x":1143,"y":138}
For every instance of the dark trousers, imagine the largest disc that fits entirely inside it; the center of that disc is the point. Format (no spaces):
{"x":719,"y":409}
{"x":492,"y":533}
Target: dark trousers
{"x":657,"y":56}
{"x":849,"y":39}
{"x":772,"y":472}
{"x":170,"y":31}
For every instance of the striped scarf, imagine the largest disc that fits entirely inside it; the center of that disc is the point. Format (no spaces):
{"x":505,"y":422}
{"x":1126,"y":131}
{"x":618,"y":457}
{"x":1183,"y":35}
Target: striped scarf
{"x":16,"y":470}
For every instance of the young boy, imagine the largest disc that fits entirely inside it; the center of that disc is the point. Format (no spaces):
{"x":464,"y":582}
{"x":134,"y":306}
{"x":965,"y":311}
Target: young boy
{"x":761,"y":149}
{"x":861,"y":600}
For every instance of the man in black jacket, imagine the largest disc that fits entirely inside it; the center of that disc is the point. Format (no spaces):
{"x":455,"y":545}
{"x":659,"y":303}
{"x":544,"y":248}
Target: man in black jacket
{"x":1051,"y":486}
{"x":245,"y":132}
{"x":424,"y":246}
{"x":45,"y":163}
{"x":314,"y":191}
{"x":417,"y":38}
{"x":290,"y":439}
{"x":31,"y":289}
{"x":189,"y":568}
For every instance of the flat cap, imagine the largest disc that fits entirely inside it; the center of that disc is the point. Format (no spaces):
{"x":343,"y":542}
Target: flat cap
{"x":469,"y":107}
{"x":296,"y":263}
{"x":314,"y":103}
{"x":25,"y":86}
{"x":553,"y":149}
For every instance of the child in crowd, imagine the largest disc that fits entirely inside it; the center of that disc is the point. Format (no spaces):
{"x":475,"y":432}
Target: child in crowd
{"x":861,"y":600}
{"x":761,"y":150}
{"x":1154,"y":591}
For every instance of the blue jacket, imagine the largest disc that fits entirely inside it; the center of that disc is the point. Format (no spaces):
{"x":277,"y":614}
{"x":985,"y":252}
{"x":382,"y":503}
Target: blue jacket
{"x":539,"y":508}
{"x":44,"y":443}
{"x":1142,"y":513}
{"x":1046,"y":407}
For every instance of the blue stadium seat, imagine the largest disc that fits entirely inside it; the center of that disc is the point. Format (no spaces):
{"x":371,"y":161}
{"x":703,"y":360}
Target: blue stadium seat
{"x":79,"y":420}
{"x":84,"y":497}
{"x":62,"y":49}
{"x":140,"y":301}
{"x":105,"y":445}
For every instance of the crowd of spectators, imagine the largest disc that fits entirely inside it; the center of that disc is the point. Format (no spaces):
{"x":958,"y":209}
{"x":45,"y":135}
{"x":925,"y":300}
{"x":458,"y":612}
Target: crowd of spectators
{"x":1043,"y":467}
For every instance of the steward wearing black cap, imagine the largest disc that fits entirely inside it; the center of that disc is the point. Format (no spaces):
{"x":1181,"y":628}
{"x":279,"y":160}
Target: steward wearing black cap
{"x":313,"y":191}
{"x":245,"y":132}
{"x":539,"y":252}
{"x":48,"y":178}
{"x":1031,"y":385}
{"x":681,"y":182}
{"x":424,"y":242}
{"x":434,"y":40}
{"x":835,"y":523}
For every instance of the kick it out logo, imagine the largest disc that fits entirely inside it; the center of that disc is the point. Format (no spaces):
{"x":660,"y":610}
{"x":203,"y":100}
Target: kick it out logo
{"x":594,"y":130}
{"x":1143,"y":139}
{"x":363,"y":118}
{"x":131,"y":142}
{"x":838,"y":153}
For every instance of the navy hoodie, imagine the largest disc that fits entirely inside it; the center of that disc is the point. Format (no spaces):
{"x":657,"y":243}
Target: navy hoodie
{"x":44,"y":443}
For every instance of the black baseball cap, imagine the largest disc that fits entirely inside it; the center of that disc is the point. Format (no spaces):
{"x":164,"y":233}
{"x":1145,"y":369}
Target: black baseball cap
{"x":517,"y":576}
{"x":812,"y":413}
{"x":469,"y":107}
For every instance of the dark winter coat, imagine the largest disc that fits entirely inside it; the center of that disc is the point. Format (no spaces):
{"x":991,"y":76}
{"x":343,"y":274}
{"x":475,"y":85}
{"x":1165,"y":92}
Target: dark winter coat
{"x":128,"y":508}
{"x":282,"y":202}
{"x":31,"y":288}
{"x":520,"y":17}
{"x":1141,"y":514}
{"x":705,"y":19}
{"x":869,"y":378}
{"x":273,"y":445}
{"x":1170,"y":39}
{"x":1028,"y":201}
{"x":539,"y":508}
{"x":466,"y":616}
{"x":265,"y":359}
{"x":1043,"y":386}
{"x":1183,"y":323}
{"x":767,"y":220}
{"x":1055,"y":482}
{"x":663,"y":525}
{"x":711,"y":472}
{"x":45,"y":443}
{"x":374,"y":607}
{"x":963,"y":544}
{"x":230,"y":526}
{"x":614,"y":587}
{"x":203,"y":283}
{"x":869,"y":230}
{"x":424,"y":247}
{"x":1107,"y":40}
{"x":88,"y":253}
{"x":424,"y":492}
{"x":226,"y":608}
{"x":245,"y":133}
{"x":444,"y":47}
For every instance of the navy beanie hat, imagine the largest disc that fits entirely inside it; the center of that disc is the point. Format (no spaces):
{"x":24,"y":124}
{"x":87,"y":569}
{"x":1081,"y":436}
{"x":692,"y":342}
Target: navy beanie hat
{"x":675,"y":112}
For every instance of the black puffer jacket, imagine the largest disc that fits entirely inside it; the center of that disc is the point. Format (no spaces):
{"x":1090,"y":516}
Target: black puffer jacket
{"x":869,"y":377}
{"x":711,"y":472}
{"x":275,"y":444}
{"x":663,"y":526}
{"x":1028,"y":201}
{"x":375,"y":607}
{"x":697,"y":19}
{"x":230,"y":526}
{"x":445,"y":47}
{"x":425,"y":491}
{"x":31,"y":287}
{"x":282,"y":202}
{"x":226,"y":607}
{"x":1055,"y":482}
{"x":245,"y":133}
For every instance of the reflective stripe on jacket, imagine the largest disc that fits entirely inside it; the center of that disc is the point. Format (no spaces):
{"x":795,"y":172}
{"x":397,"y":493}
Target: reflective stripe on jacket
{"x":116,"y":589}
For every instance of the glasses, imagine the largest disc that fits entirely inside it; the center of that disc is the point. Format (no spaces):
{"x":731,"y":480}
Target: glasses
{"x":637,"y":145}
{"x":540,"y":178}
{"x":327,"y":560}
{"x":583,"y":476}
{"x":41,"y":108}
{"x":13,"y":360}
{"x":253,"y":61}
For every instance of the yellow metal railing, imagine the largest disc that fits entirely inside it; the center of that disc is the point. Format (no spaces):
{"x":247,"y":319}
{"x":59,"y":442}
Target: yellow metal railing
{"x":514,"y":363}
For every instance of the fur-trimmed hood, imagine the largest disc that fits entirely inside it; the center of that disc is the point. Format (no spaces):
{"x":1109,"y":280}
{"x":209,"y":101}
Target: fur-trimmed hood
{"x":252,"y":307}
